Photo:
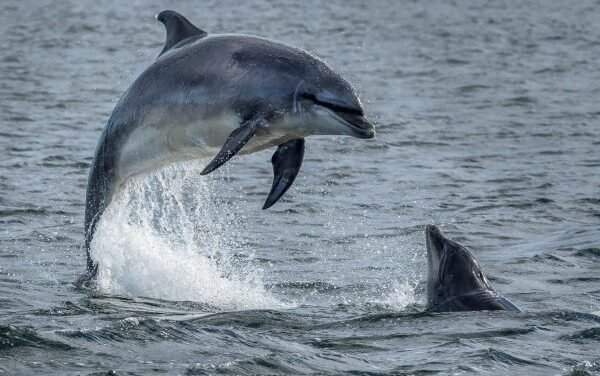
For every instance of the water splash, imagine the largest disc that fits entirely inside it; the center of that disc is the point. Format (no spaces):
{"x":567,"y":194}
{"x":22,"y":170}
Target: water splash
{"x":168,"y":236}
{"x":398,"y":296}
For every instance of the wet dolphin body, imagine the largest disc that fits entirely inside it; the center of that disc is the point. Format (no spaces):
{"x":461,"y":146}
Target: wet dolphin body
{"x":222,"y":95}
{"x":455,"y":280}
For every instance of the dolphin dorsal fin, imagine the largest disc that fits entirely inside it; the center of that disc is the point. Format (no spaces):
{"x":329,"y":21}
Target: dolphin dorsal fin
{"x":178,"y":28}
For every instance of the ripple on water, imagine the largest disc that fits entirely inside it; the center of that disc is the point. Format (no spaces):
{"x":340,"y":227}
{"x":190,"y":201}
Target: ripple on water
{"x":12,"y":337}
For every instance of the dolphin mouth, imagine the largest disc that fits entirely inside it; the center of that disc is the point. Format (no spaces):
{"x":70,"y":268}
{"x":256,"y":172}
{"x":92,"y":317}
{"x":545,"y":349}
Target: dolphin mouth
{"x":358,"y":124}
{"x":351,"y":118}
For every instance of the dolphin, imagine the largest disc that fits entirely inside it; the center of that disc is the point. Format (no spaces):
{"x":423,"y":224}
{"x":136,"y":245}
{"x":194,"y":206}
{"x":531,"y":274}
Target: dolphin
{"x":219,"y":95}
{"x":455,"y":281}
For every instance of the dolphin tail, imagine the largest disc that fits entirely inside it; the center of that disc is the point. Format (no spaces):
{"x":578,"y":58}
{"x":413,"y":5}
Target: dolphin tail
{"x":286,"y":162}
{"x":236,"y":141}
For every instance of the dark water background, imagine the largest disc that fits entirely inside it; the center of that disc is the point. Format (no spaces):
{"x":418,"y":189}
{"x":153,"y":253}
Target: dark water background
{"x":488,"y":119}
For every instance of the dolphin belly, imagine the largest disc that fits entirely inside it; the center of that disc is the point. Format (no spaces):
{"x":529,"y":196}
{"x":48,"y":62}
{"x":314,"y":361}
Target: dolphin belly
{"x":151,"y":146}
{"x":154,"y":145}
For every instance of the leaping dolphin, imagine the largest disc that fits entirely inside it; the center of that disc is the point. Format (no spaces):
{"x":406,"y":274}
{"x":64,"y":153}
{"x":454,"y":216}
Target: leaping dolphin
{"x":455,"y":280}
{"x":219,"y":95}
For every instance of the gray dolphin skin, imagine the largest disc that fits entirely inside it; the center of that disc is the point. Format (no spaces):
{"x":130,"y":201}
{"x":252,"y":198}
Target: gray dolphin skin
{"x":455,"y":281}
{"x":219,"y":95}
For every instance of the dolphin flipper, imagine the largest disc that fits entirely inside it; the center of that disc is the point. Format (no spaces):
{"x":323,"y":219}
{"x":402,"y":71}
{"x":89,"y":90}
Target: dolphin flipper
{"x":236,"y":141}
{"x":286,"y":161}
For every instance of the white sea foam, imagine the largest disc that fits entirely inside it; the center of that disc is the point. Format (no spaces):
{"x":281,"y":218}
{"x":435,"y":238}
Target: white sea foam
{"x":168,"y":236}
{"x":400,"y":296}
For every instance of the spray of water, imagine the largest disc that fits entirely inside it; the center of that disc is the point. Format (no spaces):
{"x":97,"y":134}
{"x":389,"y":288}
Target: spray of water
{"x":168,"y":236}
{"x":400,"y":296}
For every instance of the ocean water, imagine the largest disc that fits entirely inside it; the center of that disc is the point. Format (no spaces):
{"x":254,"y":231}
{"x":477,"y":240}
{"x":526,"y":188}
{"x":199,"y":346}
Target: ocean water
{"x":488,"y":120}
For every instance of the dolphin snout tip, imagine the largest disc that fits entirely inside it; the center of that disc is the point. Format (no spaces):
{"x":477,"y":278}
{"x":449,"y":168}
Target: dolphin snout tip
{"x":432,"y":229}
{"x":367,"y":134}
{"x":434,"y":237}
{"x":370,"y":133}
{"x":361,"y":127}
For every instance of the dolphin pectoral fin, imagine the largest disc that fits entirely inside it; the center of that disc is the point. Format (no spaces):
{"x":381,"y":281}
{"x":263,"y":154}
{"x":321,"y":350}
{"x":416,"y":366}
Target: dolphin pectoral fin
{"x":236,"y":141}
{"x":286,"y":161}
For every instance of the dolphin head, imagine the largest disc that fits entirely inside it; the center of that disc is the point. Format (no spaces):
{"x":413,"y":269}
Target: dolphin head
{"x":330,"y":105}
{"x":453,"y":271}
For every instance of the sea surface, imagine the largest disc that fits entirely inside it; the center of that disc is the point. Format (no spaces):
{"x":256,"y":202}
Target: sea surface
{"x":488,"y":121}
